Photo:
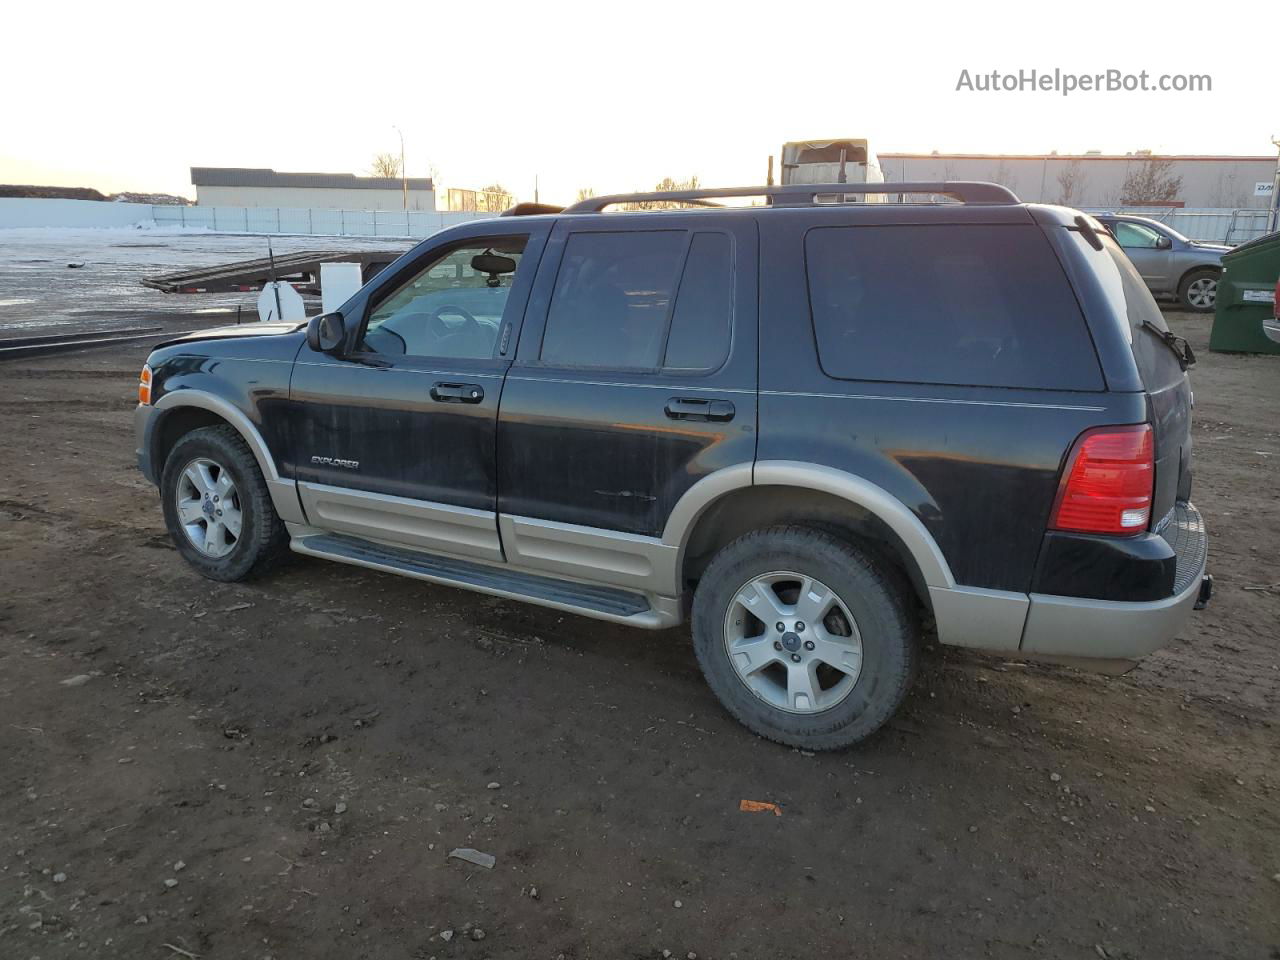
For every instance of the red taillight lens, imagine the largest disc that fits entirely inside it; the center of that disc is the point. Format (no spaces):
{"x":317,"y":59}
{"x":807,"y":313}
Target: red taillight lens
{"x":1106,"y":487}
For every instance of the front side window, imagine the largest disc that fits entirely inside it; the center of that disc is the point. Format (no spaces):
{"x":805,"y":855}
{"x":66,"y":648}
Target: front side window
{"x":453,"y":308}
{"x":969,"y":305}
{"x":1133,"y":235}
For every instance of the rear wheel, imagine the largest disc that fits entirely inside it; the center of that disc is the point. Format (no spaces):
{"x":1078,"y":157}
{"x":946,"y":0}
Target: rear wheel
{"x":1199,"y":290}
{"x":804,"y":638}
{"x":217,"y":506}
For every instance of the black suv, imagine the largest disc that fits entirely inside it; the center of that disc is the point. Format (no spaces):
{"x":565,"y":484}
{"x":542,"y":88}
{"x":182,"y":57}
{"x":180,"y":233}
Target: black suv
{"x":810,"y":425}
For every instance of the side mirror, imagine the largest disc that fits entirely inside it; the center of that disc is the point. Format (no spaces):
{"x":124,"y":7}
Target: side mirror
{"x":327,"y":332}
{"x":1163,"y":243}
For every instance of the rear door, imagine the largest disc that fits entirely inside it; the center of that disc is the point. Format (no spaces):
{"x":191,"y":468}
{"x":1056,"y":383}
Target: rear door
{"x":635,"y":375}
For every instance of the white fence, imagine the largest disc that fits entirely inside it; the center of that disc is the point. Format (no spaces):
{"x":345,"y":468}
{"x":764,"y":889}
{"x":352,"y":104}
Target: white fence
{"x":46,"y":212}
{"x":49,"y":212}
{"x":312,"y":221}
{"x":1210,"y":224}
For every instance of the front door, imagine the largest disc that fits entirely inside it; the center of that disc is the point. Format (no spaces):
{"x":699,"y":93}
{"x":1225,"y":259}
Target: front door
{"x":394,"y":441}
{"x":635,"y":377}
{"x":1142,"y":245}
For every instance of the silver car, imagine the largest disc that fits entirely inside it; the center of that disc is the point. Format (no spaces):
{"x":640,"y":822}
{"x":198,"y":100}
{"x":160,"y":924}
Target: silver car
{"x":1171,"y":264}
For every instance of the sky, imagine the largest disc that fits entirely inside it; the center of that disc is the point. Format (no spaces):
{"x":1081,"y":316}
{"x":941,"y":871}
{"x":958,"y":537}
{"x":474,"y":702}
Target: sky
{"x":608,"y":96}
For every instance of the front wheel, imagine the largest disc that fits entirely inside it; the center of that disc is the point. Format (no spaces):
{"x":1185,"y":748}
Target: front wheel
{"x":217,"y":506}
{"x":804,"y":638}
{"x":1199,"y":290}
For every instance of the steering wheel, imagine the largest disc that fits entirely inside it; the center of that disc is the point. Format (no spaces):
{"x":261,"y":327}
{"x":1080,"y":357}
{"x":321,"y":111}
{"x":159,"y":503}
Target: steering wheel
{"x":441,"y":330}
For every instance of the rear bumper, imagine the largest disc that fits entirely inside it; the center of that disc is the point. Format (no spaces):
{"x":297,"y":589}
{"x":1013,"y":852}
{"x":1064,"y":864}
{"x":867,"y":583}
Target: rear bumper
{"x":1079,"y":628}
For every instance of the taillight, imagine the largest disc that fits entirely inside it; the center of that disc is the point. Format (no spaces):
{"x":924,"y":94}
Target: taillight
{"x":144,"y":385}
{"x":1106,"y":486}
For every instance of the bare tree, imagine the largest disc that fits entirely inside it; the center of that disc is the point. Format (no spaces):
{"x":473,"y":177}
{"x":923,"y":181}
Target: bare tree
{"x":1071,"y":183}
{"x":584,"y":193}
{"x":495,"y":198}
{"x":1150,"y":181}
{"x":667,"y":185}
{"x":1005,"y":177}
{"x":1227,"y":192}
{"x":386,"y":165}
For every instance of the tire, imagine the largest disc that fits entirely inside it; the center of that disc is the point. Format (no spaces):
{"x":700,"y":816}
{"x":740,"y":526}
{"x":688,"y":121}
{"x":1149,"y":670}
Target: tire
{"x":758,"y":684}
{"x":1198,"y":291}
{"x":216,"y":461}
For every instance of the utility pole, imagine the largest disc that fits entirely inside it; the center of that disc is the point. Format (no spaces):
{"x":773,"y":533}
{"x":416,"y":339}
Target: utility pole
{"x":404,"y":176}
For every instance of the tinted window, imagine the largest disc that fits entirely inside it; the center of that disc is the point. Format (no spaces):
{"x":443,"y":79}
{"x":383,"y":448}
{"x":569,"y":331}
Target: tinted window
{"x":949,"y":304}
{"x":1133,"y":305}
{"x":699,"y":338}
{"x":612,"y":298}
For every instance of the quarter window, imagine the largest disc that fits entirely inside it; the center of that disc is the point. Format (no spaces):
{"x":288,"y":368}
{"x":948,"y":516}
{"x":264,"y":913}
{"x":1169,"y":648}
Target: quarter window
{"x":948,"y":304}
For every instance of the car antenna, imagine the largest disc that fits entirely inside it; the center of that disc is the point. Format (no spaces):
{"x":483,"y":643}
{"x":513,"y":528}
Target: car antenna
{"x":275,"y":287}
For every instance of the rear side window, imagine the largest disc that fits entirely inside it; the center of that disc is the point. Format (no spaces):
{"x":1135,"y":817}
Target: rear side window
{"x":641,"y":300}
{"x":956,"y":304}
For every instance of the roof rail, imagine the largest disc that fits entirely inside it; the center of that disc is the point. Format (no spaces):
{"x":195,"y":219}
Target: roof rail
{"x":805,"y":194}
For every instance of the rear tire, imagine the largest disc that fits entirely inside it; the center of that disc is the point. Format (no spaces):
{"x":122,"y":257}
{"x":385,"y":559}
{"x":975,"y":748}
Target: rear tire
{"x":1198,"y":291}
{"x":815,"y":685}
{"x":217,"y":506}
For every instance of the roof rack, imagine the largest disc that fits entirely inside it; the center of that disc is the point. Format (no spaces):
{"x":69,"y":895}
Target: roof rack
{"x":807,"y":194}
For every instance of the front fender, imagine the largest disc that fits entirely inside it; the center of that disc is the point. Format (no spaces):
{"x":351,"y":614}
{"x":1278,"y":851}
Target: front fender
{"x":283,"y":490}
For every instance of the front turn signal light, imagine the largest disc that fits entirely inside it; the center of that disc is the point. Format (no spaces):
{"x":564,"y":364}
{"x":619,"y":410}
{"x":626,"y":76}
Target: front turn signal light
{"x":144,"y":386}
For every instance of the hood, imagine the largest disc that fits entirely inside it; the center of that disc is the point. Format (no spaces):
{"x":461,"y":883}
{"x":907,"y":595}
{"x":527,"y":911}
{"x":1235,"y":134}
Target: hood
{"x":239,"y":330}
{"x":1209,"y":247}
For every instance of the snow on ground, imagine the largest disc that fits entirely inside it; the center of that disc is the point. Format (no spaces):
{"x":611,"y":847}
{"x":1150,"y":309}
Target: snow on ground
{"x":38,"y":290}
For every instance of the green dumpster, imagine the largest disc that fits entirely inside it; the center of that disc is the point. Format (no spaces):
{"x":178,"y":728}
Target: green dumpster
{"x":1244,"y":317}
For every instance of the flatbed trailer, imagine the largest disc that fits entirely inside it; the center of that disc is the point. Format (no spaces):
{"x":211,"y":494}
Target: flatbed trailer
{"x":300,"y":269}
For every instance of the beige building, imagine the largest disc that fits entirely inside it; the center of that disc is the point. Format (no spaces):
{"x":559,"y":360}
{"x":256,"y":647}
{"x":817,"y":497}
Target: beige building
{"x":1095,"y":179}
{"x":261,"y":187}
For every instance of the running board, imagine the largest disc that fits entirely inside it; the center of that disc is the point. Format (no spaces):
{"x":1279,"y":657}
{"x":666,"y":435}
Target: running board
{"x":609,"y":603}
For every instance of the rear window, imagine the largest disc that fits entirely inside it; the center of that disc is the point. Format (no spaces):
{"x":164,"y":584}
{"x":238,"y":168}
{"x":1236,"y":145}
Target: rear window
{"x":1133,"y":304}
{"x":947,"y":304}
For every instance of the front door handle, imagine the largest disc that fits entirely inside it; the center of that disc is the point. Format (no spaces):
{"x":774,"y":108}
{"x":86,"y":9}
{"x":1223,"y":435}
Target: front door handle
{"x":696,"y":408}
{"x":457,"y":392}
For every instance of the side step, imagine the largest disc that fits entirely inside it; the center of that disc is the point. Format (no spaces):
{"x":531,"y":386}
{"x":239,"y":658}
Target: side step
{"x":610,"y":603}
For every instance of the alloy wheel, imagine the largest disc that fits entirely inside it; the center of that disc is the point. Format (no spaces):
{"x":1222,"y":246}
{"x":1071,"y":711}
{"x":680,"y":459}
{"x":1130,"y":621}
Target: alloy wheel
{"x":1203,"y":292}
{"x":793,"y":642}
{"x":208,"y":506}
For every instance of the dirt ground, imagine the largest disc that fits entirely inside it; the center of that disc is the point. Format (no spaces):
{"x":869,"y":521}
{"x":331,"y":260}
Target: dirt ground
{"x":280,"y":769}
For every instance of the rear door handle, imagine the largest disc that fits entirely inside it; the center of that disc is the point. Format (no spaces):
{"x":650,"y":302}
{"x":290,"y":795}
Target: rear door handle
{"x":696,"y":408}
{"x":457,"y":392}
